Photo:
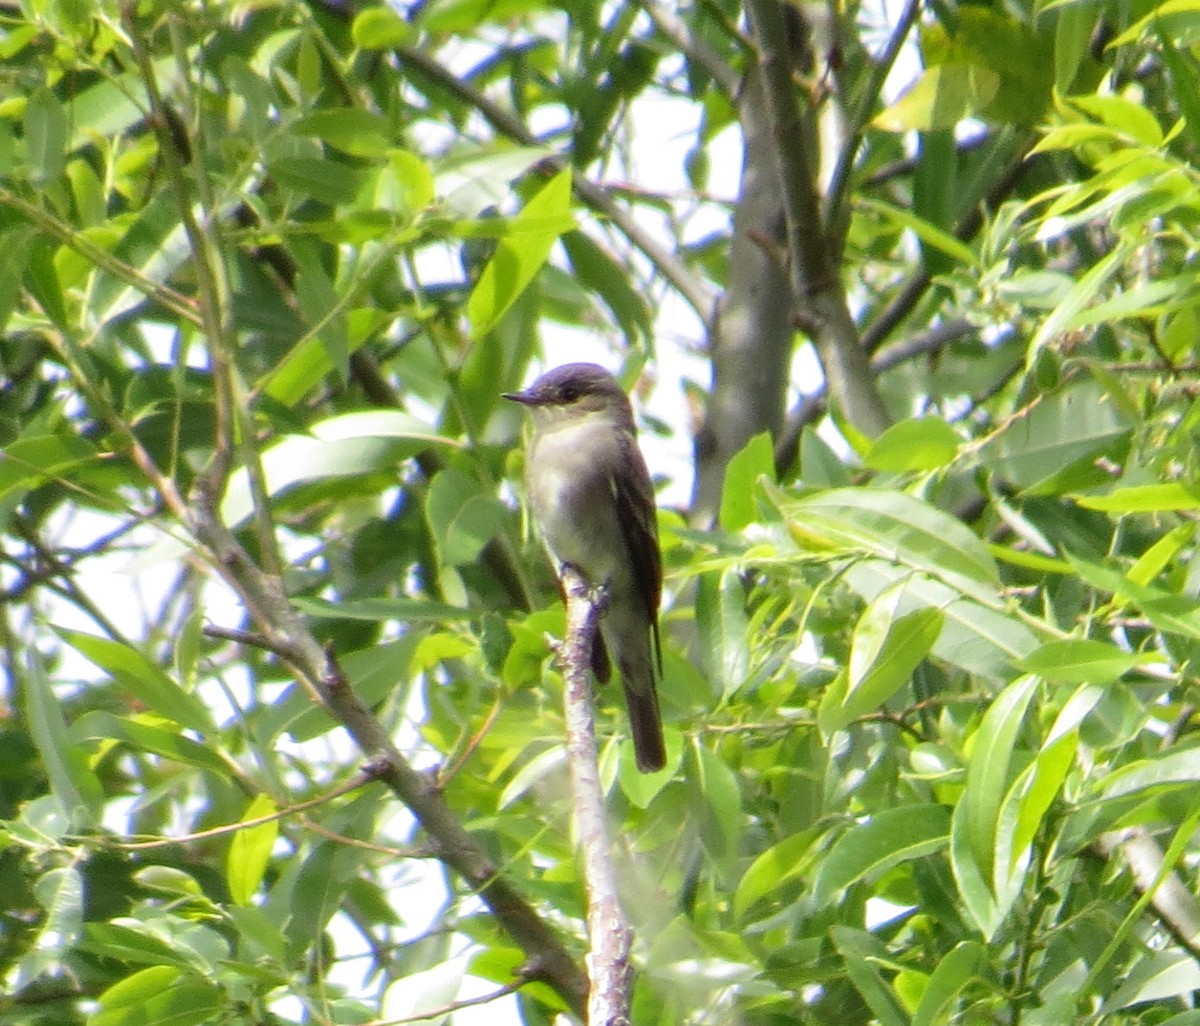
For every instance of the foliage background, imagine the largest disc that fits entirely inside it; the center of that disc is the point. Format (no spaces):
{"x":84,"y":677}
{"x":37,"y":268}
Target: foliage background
{"x":929,"y":688}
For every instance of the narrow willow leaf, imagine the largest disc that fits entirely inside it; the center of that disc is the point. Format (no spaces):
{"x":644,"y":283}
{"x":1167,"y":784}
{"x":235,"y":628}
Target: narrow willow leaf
{"x":1082,"y":660}
{"x":884,"y":651}
{"x":919,"y":443}
{"x":954,"y":972}
{"x":159,"y":996}
{"x":250,"y":851}
{"x":988,"y":770}
{"x":779,"y":867}
{"x":519,"y":256}
{"x":756,"y":459}
{"x":862,"y":955}
{"x":888,"y":838}
{"x":721,"y":621}
{"x":143,"y":679}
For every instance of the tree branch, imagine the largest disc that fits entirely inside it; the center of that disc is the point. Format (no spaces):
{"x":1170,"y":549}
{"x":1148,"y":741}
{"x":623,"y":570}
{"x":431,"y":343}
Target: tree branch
{"x":1174,"y":905}
{"x":609,"y":934}
{"x":817,"y":293}
{"x":286,"y":632}
{"x":812,"y":406}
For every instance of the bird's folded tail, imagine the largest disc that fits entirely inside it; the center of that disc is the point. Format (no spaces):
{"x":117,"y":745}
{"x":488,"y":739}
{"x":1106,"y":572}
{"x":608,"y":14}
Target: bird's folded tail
{"x":645,"y":722}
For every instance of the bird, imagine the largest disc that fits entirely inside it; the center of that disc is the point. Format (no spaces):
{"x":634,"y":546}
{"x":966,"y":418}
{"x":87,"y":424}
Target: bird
{"x":592,"y":501}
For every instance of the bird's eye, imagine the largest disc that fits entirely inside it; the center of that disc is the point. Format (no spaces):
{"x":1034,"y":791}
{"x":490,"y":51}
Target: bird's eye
{"x":569,"y":393}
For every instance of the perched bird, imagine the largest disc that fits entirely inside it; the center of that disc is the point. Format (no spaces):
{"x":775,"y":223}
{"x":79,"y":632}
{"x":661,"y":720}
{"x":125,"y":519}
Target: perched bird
{"x":593,"y":504}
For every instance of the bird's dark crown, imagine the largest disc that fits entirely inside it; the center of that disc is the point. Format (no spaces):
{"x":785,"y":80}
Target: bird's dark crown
{"x":567,"y":384}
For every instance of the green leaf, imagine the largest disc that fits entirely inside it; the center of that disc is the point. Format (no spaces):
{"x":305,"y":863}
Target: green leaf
{"x":896,"y":527}
{"x":1034,"y":791}
{"x":1080,"y":295}
{"x":519,"y":256}
{"x":149,"y":733}
{"x":352,"y":130}
{"x":407,"y":186}
{"x":1067,"y":428}
{"x":717,"y":800}
{"x":601,"y":273}
{"x":940,"y":98}
{"x":1078,"y":661}
{"x":972,"y":885}
{"x":956,"y":969}
{"x":403,"y":610}
{"x":884,"y":651}
{"x":159,"y":996}
{"x":1143,"y":301}
{"x":888,"y":838}
{"x":323,"y":313}
{"x":988,"y":769}
{"x":380,"y":28}
{"x":350,"y":445}
{"x":72,"y":780}
{"x":928,"y":232}
{"x":250,"y":851}
{"x":1177,"y":767}
{"x":327,"y":181}
{"x":1153,"y":498}
{"x":738,"y":506}
{"x":169,"y":880}
{"x":142,"y":678}
{"x":1159,"y":977}
{"x":30,"y":461}
{"x":462,"y":516}
{"x":45,"y":137}
{"x":783,"y":864}
{"x":1131,"y":119}
{"x":981,"y":640}
{"x":59,"y":891}
{"x":919,"y":443}
{"x":453,"y":16}
{"x":863,"y":954}
{"x":132,"y":941}
{"x":721,"y":622}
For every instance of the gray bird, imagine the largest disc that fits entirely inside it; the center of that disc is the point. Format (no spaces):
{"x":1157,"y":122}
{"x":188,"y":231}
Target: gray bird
{"x":592,"y":501}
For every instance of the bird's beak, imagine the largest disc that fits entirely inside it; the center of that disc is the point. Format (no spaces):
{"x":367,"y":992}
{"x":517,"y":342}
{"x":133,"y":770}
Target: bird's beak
{"x":524,"y":398}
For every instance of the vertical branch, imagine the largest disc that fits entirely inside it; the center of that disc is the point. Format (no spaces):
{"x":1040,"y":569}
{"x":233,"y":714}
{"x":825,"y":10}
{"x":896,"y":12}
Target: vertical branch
{"x":817,"y":294}
{"x":610,"y":938}
{"x":235,"y":427}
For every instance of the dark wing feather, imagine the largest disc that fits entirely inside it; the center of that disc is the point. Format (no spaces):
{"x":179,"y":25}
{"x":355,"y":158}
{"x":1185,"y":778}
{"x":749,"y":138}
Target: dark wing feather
{"x":633,"y":493}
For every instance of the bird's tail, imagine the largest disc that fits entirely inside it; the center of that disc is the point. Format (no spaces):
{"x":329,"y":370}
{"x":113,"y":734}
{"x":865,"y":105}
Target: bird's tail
{"x":645,"y":724}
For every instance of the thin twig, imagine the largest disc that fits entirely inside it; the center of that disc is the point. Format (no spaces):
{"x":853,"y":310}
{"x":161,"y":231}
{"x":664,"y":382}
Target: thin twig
{"x":838,"y":183}
{"x":364,"y":777}
{"x":176,"y":302}
{"x":687,"y":41}
{"x":428,"y":1014}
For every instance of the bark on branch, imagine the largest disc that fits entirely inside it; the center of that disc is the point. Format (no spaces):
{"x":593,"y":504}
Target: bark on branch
{"x":287,"y":633}
{"x":813,"y":252}
{"x":610,"y":938}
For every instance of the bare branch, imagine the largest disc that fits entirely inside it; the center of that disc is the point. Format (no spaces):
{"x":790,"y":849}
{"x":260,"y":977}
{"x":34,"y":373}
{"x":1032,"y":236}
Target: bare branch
{"x":839,"y":180}
{"x":694,"y":45}
{"x":286,"y":633}
{"x":610,"y":936}
{"x":1176,"y":907}
{"x":817,"y":292}
{"x":812,"y":406}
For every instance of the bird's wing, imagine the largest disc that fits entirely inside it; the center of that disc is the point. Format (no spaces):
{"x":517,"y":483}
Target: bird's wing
{"x":633,"y":495}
